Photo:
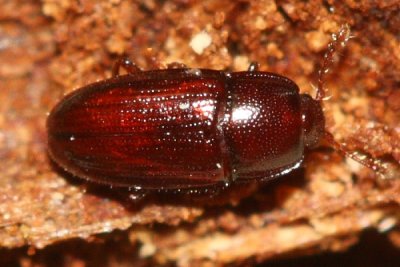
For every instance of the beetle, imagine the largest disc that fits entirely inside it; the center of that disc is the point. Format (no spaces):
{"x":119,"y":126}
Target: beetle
{"x":188,"y":130}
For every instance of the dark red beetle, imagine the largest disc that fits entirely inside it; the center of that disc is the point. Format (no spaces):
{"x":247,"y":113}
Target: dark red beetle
{"x":185,"y":129}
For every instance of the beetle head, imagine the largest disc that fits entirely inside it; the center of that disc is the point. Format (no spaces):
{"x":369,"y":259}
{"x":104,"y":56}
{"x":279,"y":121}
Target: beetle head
{"x":313,"y":120}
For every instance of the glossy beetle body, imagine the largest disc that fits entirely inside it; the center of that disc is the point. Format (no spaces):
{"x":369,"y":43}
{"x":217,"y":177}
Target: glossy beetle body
{"x":191,"y":130}
{"x":184,"y":128}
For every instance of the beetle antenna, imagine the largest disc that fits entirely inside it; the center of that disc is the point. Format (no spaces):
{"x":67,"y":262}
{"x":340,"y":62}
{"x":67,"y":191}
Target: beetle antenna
{"x":363,"y":159}
{"x":339,"y":41}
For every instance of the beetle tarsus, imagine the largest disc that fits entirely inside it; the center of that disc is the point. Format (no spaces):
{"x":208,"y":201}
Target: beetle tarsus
{"x":136,"y":196}
{"x":176,"y":65}
{"x":254,"y":66}
{"x":126,"y":64}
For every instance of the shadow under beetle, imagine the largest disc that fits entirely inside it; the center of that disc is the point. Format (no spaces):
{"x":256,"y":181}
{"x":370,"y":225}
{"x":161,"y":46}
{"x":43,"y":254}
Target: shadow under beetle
{"x":185,"y":130}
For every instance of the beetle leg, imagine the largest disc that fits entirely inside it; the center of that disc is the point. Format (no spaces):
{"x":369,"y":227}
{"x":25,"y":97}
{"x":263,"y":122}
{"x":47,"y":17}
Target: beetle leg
{"x":136,"y":196}
{"x":176,"y":65}
{"x":126,"y":64}
{"x":254,"y":66}
{"x":223,"y":194}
